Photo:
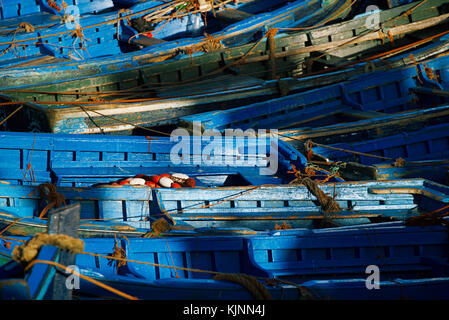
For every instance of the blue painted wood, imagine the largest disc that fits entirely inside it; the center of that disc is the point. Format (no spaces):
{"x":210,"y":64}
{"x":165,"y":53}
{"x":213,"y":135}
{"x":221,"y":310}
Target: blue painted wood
{"x":41,"y":276}
{"x":26,"y":9}
{"x":101,"y":66}
{"x":256,"y":208}
{"x":383,"y":91}
{"x":67,"y":45}
{"x":430,"y":143}
{"x":268,"y":14}
{"x":328,"y":262}
{"x":80,"y":160}
{"x":14,"y":289}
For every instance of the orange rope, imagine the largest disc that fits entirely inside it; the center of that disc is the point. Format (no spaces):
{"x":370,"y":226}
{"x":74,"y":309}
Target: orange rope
{"x":10,"y":115}
{"x":29,"y":162}
{"x":441,"y":209}
{"x":13,"y":223}
{"x":102,"y":285}
{"x":91,"y":26}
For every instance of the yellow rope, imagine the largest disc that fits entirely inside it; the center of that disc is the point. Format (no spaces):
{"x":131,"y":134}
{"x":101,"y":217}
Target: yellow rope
{"x":26,"y":252}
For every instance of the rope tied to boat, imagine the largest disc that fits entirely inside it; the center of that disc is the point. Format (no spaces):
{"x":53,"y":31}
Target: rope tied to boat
{"x":124,"y":11}
{"x":210,"y":44}
{"x":72,"y":271}
{"x":328,"y":204}
{"x":54,"y":198}
{"x":118,"y":252}
{"x":28,"y":251}
{"x":52,"y":4}
{"x":159,"y":226}
{"x":250,"y":283}
{"x":430,"y":73}
{"x":27,"y":26}
{"x":400,"y":162}
{"x":283,"y":226}
{"x":429,"y":219}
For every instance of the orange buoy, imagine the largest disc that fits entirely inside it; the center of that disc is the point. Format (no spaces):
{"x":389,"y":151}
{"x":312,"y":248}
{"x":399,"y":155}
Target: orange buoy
{"x":190,"y":183}
{"x":150,"y":184}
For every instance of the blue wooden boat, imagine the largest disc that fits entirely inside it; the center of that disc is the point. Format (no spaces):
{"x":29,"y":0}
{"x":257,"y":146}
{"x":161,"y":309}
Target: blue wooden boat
{"x":20,"y":279}
{"x":378,"y":93}
{"x":82,"y":160}
{"x":424,"y":144}
{"x":370,"y":148}
{"x":26,"y":9}
{"x":169,"y":22}
{"x":161,"y":105}
{"x":424,"y":153}
{"x":287,"y":264}
{"x":165,"y":106}
{"x":257,"y":208}
{"x":41,"y":13}
{"x":72,"y":40}
{"x":284,"y":44}
{"x":35,"y":284}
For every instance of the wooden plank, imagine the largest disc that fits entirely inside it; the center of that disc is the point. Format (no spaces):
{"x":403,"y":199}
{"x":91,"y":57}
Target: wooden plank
{"x":65,"y":220}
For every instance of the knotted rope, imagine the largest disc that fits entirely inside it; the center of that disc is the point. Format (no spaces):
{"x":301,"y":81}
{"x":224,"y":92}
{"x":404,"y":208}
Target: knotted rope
{"x":157,"y":227}
{"x":27,"y":26}
{"x":250,"y":283}
{"x":327,"y":203}
{"x":28,"y":251}
{"x":49,"y":193}
{"x":118,"y":252}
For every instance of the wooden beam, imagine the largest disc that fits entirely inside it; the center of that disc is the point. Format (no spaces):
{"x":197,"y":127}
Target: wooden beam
{"x":65,"y":220}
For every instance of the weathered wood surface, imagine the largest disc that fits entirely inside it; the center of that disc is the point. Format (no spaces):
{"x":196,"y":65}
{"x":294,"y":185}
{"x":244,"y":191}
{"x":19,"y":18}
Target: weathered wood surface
{"x":255,"y":208}
{"x":299,"y":256}
{"x":381,"y":91}
{"x":190,"y":67}
{"x":65,"y":220}
{"x":153,"y":111}
{"x":374,"y":127}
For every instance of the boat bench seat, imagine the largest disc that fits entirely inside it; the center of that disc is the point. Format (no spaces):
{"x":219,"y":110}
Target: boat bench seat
{"x":16,"y":176}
